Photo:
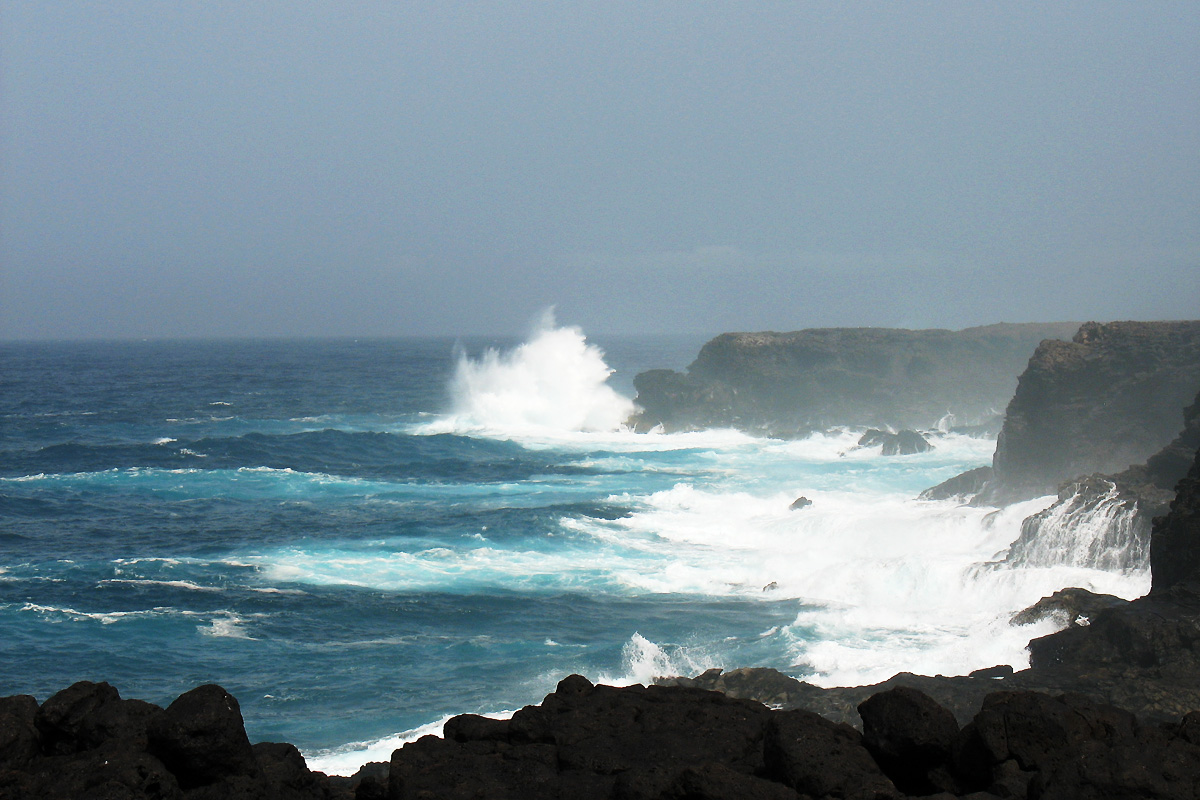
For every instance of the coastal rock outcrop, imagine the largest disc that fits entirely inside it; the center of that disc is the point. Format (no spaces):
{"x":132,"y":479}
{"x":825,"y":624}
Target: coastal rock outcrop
{"x":1104,"y":521}
{"x":1107,"y":399}
{"x":790,"y":384}
{"x":675,"y":742}
{"x":88,"y":742}
{"x":905,"y":443}
{"x":1159,"y":633}
{"x":961,"y":487}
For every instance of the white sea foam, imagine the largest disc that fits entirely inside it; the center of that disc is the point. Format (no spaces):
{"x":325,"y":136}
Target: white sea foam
{"x":643,"y":660}
{"x":555,"y":381}
{"x":225,"y":625}
{"x":347,"y":759}
{"x":194,"y":587}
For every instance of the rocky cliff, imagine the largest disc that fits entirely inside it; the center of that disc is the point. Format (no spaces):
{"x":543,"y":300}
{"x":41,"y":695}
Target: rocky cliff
{"x":1107,"y":399}
{"x":1104,"y":521}
{"x":789,"y":384}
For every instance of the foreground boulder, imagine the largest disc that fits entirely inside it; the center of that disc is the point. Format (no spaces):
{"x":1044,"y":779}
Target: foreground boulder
{"x":633,"y":743}
{"x":88,"y":742}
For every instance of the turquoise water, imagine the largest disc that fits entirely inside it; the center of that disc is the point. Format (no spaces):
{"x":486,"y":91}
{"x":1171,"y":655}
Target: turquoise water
{"x":358,"y":538}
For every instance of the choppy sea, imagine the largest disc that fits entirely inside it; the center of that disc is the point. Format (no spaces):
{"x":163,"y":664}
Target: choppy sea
{"x":359,"y":538}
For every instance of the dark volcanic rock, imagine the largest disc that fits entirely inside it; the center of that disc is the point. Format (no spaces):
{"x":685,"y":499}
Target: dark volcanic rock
{"x":960,"y":487}
{"x":88,"y":715}
{"x":790,"y":384}
{"x":799,"y":503}
{"x":202,"y":739}
{"x":1175,"y":544}
{"x":19,"y":742}
{"x":580,"y":739}
{"x":911,"y":737}
{"x":1097,"y":404}
{"x":1068,"y":607}
{"x":1104,"y":521}
{"x":821,"y":758}
{"x":904,"y":443}
{"x":1158,"y":632}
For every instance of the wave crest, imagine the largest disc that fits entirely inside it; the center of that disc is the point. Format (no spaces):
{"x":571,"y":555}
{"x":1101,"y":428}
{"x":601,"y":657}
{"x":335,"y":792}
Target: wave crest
{"x":554,"y":381}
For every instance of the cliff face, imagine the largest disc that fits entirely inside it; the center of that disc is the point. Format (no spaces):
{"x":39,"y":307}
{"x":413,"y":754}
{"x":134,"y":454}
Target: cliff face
{"x":793,"y":383}
{"x":1175,"y":546}
{"x":1107,"y":399}
{"x":1157,"y":635}
{"x":1103,"y":521}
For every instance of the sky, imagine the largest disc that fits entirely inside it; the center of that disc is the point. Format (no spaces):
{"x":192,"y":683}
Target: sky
{"x":293,"y":168}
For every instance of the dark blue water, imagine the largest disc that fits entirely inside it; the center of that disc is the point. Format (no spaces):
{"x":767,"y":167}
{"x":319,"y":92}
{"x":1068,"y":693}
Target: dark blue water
{"x":355,"y":551}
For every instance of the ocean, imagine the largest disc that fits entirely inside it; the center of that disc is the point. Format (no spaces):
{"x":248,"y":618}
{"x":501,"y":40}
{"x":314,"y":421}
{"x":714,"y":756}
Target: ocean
{"x":360,"y":538}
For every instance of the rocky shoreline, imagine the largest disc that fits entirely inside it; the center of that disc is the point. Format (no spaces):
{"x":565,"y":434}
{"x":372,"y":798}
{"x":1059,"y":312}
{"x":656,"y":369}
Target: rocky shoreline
{"x":1106,"y":710}
{"x":1109,"y":707}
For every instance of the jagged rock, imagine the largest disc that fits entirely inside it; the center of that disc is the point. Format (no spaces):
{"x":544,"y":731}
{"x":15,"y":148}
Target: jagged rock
{"x":19,"y":742}
{"x":821,"y":758}
{"x":961,"y":487}
{"x":128,"y":774}
{"x":799,"y":503}
{"x":911,"y":738}
{"x":370,"y":782}
{"x":998,"y":671}
{"x":1175,"y":544}
{"x":1158,"y":632}
{"x":283,"y":767}
{"x":66,"y":721}
{"x":1071,"y":747}
{"x":580,"y":738}
{"x":790,"y":384}
{"x":906,"y":442}
{"x":1097,"y":404}
{"x":1067,"y":607}
{"x":202,"y":739}
{"x":707,"y":782}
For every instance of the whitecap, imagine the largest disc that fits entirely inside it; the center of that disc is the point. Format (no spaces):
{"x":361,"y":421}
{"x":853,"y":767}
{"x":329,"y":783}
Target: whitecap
{"x":349,"y":758}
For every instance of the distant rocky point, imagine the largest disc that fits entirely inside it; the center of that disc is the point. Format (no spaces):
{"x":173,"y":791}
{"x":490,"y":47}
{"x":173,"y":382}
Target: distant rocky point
{"x":1105,"y":400}
{"x":791,"y":384}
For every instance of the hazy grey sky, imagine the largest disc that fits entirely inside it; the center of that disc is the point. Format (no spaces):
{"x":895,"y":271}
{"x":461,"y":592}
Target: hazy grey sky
{"x":283,"y":168}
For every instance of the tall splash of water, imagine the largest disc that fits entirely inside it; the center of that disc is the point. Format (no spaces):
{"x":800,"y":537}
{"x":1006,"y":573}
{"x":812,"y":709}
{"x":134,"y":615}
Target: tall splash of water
{"x":554,"y":381}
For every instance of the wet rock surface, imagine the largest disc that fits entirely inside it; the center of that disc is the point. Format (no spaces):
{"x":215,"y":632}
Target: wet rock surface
{"x":961,"y":487}
{"x":904,"y":443}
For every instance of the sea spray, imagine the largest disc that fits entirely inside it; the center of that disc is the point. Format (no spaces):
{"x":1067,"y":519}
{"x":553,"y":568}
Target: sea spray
{"x":349,"y":569}
{"x":1092,"y":526}
{"x":555,"y":380}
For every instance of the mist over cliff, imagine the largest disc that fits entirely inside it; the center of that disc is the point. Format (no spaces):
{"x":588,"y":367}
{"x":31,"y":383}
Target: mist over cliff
{"x":790,"y":384}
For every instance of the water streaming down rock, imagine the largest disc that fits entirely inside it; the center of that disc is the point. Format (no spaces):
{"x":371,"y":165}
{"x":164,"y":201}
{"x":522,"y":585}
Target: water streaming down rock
{"x":1092,"y":525}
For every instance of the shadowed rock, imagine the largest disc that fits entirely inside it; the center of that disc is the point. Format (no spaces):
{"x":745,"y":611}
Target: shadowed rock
{"x":202,"y":739}
{"x":961,"y":487}
{"x":1097,"y":404}
{"x":904,"y":443}
{"x":911,"y":737}
{"x":821,"y":758}
{"x":790,"y":384}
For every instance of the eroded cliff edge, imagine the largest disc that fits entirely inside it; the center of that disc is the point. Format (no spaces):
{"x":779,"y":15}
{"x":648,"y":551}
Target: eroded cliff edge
{"x":790,"y":384}
{"x":1105,"y":400}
